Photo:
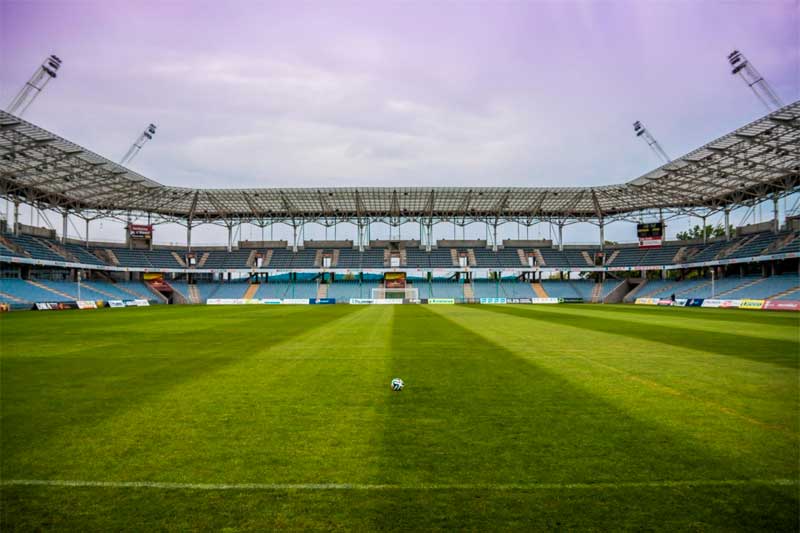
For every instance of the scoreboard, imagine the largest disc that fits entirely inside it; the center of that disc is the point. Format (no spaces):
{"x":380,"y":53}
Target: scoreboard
{"x":650,"y":234}
{"x":394,"y":280}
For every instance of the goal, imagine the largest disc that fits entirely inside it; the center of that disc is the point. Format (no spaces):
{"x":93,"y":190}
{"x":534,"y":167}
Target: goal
{"x":400,"y":293}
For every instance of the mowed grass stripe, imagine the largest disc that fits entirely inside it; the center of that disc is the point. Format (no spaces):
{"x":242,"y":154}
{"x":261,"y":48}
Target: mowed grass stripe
{"x":762,"y":391}
{"x":498,"y":418}
{"x":782,"y":352}
{"x":75,"y":416}
{"x":709,"y":423}
{"x":385,"y":487}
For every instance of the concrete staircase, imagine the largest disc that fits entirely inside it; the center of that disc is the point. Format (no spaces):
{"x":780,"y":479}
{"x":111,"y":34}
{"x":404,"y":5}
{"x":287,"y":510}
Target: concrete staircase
{"x":587,"y":258}
{"x":612,"y":257}
{"x":110,"y":257}
{"x":203,"y":258}
{"x":250,"y":293}
{"x":54,"y":291}
{"x":251,"y":259}
{"x":539,"y":257}
{"x":387,"y":257}
{"x":539,"y":290}
{"x":471,"y":257}
{"x":523,"y":259}
{"x":700,"y":286}
{"x":403,"y":257}
{"x":91,"y":285}
{"x":651,"y":293}
{"x":335,"y":258}
{"x":680,"y":255}
{"x":748,"y":284}
{"x":725,"y":252}
{"x":322,"y":290}
{"x":318,"y":259}
{"x":179,"y":259}
{"x":469,"y":292}
{"x":597,"y":293}
{"x":780,"y":243}
{"x":267,"y":258}
{"x":55,"y":248}
{"x":19,"y":250}
{"x":454,"y":257}
{"x":194,"y":294}
{"x":793,"y":290}
{"x":13,"y":298}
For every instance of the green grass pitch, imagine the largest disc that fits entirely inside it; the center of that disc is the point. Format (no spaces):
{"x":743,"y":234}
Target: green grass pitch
{"x":513,"y":417}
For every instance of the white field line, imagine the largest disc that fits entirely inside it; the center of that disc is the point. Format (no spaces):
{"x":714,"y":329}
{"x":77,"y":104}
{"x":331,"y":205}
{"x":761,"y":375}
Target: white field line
{"x":389,"y":487}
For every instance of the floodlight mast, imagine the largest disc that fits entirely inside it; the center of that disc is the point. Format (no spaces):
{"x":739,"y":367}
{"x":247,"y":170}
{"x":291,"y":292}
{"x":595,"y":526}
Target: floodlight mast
{"x":146,"y":135}
{"x":642,"y":132}
{"x":33,"y":88}
{"x":754,"y":80}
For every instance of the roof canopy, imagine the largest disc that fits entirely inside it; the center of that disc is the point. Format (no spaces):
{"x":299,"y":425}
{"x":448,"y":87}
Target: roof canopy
{"x":743,"y":167}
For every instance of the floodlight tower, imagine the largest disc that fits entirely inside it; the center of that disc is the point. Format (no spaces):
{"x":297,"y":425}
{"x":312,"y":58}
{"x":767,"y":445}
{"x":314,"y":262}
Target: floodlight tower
{"x":642,"y":132}
{"x":34,"y":86}
{"x":754,"y":80}
{"x":146,"y":135}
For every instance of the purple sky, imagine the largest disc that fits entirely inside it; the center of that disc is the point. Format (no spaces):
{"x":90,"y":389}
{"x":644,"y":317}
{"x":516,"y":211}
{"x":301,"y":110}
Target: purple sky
{"x":278,"y":94}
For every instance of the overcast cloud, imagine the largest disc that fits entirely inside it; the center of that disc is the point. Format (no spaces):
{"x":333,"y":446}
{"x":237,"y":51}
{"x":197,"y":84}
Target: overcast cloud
{"x":274,"y":94}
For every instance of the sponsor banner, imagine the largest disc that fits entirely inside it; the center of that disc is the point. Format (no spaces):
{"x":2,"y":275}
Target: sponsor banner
{"x":85,"y":304}
{"x":782,"y":305}
{"x":730,"y":304}
{"x":646,"y":301}
{"x":231,"y":301}
{"x":711,"y":302}
{"x":441,"y":301}
{"x":751,"y":304}
{"x":295,"y":301}
{"x":519,"y":300}
{"x":271,"y":301}
{"x":54,"y":306}
{"x":664,"y":301}
{"x":493,"y":300}
{"x":694,"y":302}
{"x":141,"y":303}
{"x":322,"y":301}
{"x":377,"y":301}
{"x":680,"y":302}
{"x":116,"y":303}
{"x":545,"y":300}
{"x":570,"y":300}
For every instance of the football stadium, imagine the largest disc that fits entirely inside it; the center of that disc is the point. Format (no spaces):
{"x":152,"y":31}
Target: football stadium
{"x":400,"y":356}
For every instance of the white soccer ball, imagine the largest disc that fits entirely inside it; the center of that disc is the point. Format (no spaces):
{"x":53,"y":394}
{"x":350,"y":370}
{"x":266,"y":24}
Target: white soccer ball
{"x":397,"y":384}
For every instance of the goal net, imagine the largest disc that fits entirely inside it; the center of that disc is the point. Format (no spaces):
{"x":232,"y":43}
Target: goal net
{"x":400,"y":293}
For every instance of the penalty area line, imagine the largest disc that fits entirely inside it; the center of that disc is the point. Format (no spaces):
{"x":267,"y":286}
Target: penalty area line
{"x":389,"y":487}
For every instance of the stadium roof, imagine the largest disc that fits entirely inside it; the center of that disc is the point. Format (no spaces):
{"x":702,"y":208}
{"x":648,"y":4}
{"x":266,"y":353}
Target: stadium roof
{"x":743,"y":167}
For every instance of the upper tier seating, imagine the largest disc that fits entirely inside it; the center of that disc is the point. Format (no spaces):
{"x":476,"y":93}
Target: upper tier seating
{"x":284,"y":258}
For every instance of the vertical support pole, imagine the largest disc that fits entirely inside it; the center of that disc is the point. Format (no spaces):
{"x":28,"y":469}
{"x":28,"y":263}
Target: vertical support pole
{"x":494,"y":237}
{"x":703,"y":228}
{"x":560,"y":236}
{"x":727,"y":223}
{"x":429,"y":239}
{"x":87,"y":232}
{"x":16,"y":218}
{"x":230,"y":238}
{"x":776,"y":224}
{"x":602,"y":237}
{"x":189,"y":235}
{"x":65,"y":221}
{"x":294,"y":238}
